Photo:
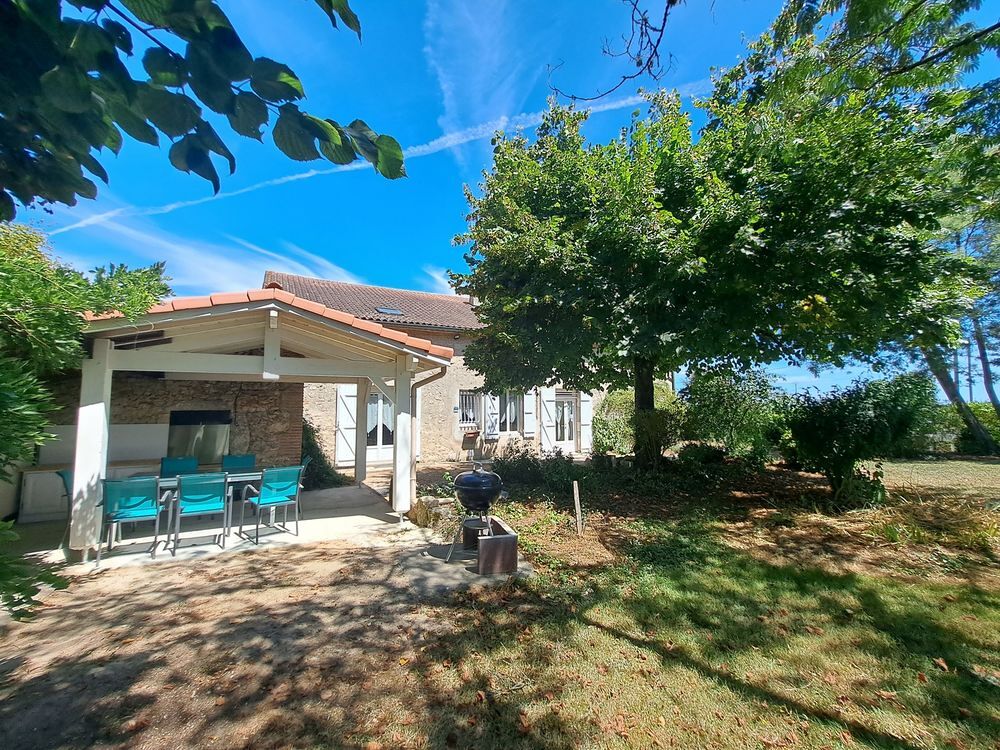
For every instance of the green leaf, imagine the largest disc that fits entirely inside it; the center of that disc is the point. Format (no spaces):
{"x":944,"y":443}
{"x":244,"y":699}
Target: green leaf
{"x":293,"y":136}
{"x":364,"y":140}
{"x":89,"y":42}
{"x":347,"y":15}
{"x":228,"y":55}
{"x":174,"y":114}
{"x":189,"y":155}
{"x":339,"y":153}
{"x":164,"y":67}
{"x":390,"y":157}
{"x":153,"y":12}
{"x":113,"y":71}
{"x":114,"y":139}
{"x":94,"y":167}
{"x":134,"y":124}
{"x":211,"y":140}
{"x":67,"y":88}
{"x":275,"y":81}
{"x":121,"y":35}
{"x":7,"y":209}
{"x":248,"y":115}
{"x":212,"y":88}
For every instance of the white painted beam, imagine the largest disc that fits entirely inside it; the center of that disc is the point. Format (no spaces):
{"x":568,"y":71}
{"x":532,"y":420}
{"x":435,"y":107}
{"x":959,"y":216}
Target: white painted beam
{"x":91,"y":458}
{"x":272,"y":347}
{"x":361,"y":431}
{"x":402,"y":455}
{"x":150,"y":360}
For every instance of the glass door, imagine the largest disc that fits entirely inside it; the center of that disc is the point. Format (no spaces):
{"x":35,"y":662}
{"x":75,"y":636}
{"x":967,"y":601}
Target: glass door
{"x":381,"y":422}
{"x":566,"y":423}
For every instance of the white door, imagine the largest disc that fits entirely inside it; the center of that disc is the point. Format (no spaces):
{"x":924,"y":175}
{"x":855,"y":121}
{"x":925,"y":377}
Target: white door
{"x":347,"y":397}
{"x":566,"y":426}
{"x":381,"y":423}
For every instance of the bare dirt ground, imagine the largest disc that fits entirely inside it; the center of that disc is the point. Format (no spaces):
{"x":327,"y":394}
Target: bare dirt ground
{"x":257,"y":650}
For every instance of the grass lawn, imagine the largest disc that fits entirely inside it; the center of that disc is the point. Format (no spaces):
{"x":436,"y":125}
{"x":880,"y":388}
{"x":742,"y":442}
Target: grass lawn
{"x":751,"y":622}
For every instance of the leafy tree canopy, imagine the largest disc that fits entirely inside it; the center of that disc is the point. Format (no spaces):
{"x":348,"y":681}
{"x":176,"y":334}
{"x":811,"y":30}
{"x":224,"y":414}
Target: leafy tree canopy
{"x":42,"y":306}
{"x":786,"y":233}
{"x":70,"y":90}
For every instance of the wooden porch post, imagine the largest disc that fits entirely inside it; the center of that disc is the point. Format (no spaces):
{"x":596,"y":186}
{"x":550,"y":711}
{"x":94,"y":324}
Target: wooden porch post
{"x":361,"y":431}
{"x":402,"y":457}
{"x":91,"y":459}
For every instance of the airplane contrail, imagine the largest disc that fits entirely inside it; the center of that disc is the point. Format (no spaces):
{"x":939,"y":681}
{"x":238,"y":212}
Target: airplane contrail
{"x":441,"y":143}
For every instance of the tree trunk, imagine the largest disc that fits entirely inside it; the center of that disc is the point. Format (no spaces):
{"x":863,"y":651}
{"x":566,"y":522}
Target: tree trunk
{"x":984,"y":359}
{"x":644,"y":405}
{"x":939,"y":368}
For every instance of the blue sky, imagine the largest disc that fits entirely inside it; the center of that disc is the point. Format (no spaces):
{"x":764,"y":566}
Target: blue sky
{"x":440,"y":76}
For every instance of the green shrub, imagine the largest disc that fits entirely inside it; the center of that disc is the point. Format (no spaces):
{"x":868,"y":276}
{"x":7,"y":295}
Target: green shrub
{"x":614,"y":422}
{"x":319,"y":473}
{"x":833,"y":433}
{"x":701,"y":454}
{"x":987,"y":416}
{"x":517,"y":463}
{"x":742,"y":411}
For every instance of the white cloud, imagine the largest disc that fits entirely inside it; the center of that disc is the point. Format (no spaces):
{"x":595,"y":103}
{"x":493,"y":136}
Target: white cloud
{"x":435,"y":279}
{"x":197,"y":266}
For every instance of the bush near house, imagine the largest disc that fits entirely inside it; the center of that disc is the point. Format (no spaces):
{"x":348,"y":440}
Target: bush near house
{"x":319,"y":473}
{"x":614,"y":422}
{"x":740,"y":411}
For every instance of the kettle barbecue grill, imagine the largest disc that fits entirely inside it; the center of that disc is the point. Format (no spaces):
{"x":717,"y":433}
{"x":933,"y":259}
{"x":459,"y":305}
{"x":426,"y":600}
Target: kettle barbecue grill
{"x":476,"y":490}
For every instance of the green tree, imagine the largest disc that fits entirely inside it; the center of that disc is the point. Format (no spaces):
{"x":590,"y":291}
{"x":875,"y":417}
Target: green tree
{"x":67,"y":94}
{"x":736,"y":409}
{"x":42,"y":307}
{"x":788,"y":233}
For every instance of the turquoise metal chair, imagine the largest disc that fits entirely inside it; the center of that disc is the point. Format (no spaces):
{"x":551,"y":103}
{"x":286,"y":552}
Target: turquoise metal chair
{"x":129,"y":501}
{"x":201,"y":495}
{"x":279,"y":488}
{"x":174,"y":466}
{"x":240,"y":462}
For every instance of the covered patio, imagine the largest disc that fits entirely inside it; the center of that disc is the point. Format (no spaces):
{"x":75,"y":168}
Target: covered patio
{"x":253,"y":336}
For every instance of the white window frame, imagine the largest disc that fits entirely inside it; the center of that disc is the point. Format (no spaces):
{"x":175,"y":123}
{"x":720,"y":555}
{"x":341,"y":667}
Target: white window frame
{"x":475,"y":398}
{"x":505,"y":397}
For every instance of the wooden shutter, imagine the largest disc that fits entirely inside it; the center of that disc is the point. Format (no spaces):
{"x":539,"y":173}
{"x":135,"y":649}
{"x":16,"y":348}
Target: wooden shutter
{"x":586,"y":422}
{"x":347,"y":404}
{"x":529,"y":424}
{"x":548,"y":418}
{"x":491,"y":429}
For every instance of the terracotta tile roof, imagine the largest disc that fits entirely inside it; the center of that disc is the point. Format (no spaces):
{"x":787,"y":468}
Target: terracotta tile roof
{"x":259,"y":295}
{"x":423,"y":309}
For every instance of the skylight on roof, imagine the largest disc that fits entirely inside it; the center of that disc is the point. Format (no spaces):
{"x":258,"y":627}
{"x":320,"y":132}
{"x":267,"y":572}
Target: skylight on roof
{"x":389,"y":310}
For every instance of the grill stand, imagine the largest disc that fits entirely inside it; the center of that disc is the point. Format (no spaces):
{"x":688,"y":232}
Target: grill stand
{"x":480,"y":522}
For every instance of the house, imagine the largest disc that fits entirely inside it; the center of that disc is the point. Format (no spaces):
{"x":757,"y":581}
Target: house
{"x":456,"y":420}
{"x":236,"y":372}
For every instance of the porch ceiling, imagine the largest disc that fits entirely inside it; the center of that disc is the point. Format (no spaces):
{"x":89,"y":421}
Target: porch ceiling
{"x":260,"y":333}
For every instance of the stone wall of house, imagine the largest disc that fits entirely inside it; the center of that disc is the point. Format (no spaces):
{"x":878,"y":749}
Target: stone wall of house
{"x":267,"y":417}
{"x":441,"y":439}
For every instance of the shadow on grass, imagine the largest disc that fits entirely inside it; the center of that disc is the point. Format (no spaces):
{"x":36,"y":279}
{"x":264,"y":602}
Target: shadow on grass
{"x":695,"y":603}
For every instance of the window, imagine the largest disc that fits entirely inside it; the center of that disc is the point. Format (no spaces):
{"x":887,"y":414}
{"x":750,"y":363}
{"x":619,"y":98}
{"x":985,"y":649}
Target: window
{"x":389,"y":310}
{"x":510,"y":411}
{"x":469,"y":406}
{"x":202,"y":433}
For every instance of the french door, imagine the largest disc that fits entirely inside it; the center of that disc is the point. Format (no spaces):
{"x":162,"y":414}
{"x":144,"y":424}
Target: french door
{"x":381,"y":422}
{"x":565,"y":427}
